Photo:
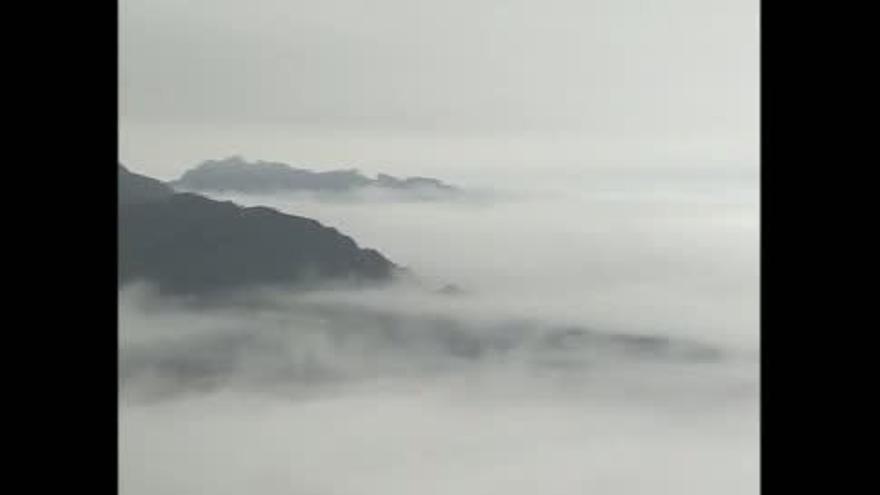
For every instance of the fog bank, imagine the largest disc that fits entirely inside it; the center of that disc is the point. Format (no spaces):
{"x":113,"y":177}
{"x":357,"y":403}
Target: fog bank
{"x":605,"y":341}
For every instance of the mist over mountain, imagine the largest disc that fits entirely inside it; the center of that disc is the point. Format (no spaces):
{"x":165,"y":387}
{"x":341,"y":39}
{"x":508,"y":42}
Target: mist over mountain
{"x":234,"y":174}
{"x":190,"y":244}
{"x":575,"y":186}
{"x":611,"y":351}
{"x":272,"y":342}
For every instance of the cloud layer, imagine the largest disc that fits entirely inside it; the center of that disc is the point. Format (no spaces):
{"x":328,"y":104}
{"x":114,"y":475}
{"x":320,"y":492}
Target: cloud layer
{"x":496,"y":390}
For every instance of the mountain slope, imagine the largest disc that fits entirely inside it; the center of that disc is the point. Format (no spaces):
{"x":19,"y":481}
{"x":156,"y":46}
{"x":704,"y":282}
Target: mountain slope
{"x":186,"y":243}
{"x":135,"y":188}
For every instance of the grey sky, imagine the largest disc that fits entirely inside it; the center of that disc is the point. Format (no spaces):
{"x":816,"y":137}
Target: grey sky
{"x":625,"y":71}
{"x":624,"y":136}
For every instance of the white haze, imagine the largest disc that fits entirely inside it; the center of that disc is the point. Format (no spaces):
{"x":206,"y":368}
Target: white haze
{"x":399,"y":85}
{"x":653,"y":254}
{"x":609,"y":149}
{"x":304,"y":394}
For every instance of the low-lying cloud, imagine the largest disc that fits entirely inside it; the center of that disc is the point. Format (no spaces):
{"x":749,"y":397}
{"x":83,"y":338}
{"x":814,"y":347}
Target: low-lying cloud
{"x":604,"y":341}
{"x":660,"y":256}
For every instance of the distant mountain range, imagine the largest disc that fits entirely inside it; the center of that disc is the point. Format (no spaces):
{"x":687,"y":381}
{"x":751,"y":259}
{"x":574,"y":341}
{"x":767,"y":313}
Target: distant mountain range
{"x":186,"y":243}
{"x":234,"y":174}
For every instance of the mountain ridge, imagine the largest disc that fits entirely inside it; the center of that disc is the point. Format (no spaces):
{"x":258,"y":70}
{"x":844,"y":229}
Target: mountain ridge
{"x":234,"y":174}
{"x":187,"y":243}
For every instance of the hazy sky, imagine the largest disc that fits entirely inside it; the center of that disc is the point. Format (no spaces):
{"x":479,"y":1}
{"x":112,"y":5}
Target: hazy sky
{"x":419,"y":83}
{"x":624,"y":136}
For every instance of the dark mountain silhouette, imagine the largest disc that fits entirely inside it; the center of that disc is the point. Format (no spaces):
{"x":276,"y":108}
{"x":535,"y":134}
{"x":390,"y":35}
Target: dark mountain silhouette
{"x":186,"y":243}
{"x":237,"y":175}
{"x":134,"y":188}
